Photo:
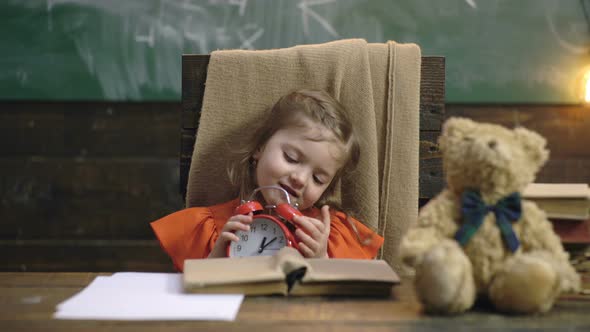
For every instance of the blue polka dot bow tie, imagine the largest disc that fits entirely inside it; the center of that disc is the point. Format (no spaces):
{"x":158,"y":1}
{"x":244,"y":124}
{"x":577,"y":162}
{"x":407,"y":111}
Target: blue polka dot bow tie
{"x":474,"y":210}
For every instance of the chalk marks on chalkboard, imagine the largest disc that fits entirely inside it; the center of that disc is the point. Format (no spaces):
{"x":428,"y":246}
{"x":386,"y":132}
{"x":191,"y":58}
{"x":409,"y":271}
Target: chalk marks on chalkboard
{"x":208,"y":26}
{"x":248,"y":35}
{"x":240,"y":3}
{"x":307,"y":11}
{"x":143,"y":39}
{"x":120,"y":50}
{"x":22,"y":76}
{"x":571,"y":35}
{"x":148,"y":38}
{"x":471,"y":3}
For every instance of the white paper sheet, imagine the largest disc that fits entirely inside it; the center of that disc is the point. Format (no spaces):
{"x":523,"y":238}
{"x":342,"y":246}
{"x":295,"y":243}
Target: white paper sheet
{"x":146,"y":296}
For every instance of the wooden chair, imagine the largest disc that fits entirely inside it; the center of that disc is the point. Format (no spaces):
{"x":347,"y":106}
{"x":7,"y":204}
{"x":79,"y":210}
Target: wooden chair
{"x":432,"y":92}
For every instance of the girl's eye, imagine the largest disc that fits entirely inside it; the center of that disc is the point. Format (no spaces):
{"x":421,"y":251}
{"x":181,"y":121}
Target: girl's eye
{"x":318,"y":180}
{"x":288,"y":158}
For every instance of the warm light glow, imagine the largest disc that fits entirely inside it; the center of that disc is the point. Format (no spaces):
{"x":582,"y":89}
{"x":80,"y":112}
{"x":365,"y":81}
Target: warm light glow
{"x":582,"y":86}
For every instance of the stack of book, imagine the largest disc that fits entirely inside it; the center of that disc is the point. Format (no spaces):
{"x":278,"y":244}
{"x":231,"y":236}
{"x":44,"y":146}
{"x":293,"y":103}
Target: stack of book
{"x":567,"y":206}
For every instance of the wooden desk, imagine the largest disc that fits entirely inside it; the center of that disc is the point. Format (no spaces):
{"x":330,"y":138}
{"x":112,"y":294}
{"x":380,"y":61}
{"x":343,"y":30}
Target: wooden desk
{"x":28,"y":300}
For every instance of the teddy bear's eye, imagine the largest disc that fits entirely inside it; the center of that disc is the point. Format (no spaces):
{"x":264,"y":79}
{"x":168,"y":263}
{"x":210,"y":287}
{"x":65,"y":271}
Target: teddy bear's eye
{"x":492,"y":143}
{"x":468,"y":138}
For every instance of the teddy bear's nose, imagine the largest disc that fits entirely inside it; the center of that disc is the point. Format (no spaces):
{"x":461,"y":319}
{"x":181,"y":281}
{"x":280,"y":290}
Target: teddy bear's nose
{"x":492,"y":144}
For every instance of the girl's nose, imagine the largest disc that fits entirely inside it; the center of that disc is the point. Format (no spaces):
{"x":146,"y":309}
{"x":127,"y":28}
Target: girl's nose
{"x":297,"y":179}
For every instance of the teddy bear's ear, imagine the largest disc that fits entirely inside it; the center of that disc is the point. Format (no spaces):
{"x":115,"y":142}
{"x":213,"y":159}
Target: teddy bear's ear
{"x":533,"y":144}
{"x":454,"y":129}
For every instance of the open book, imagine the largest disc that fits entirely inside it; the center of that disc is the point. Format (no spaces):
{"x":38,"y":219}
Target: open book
{"x":561,"y":200}
{"x":288,"y":273}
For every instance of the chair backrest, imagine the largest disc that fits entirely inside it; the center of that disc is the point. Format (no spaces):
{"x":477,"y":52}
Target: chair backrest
{"x":432,"y":92}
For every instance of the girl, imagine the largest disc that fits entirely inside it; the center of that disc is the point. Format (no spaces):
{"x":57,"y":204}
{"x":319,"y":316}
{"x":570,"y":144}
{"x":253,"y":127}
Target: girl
{"x":304,"y":146}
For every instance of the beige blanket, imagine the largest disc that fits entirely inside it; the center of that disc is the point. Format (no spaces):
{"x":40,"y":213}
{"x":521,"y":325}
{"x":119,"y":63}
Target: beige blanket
{"x":378,"y":84}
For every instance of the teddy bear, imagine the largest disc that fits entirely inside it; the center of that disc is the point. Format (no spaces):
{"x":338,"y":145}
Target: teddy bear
{"x":478,"y":239}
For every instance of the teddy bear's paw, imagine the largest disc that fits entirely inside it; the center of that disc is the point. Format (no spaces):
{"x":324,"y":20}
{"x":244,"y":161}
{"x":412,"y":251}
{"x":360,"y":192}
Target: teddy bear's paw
{"x":416,"y":243}
{"x":444,"y":280}
{"x":569,"y":278}
{"x":525,"y":284}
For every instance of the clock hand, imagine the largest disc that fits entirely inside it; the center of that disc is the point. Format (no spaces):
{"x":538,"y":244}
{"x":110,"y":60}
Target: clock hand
{"x":262,"y":246}
{"x":269,"y":242}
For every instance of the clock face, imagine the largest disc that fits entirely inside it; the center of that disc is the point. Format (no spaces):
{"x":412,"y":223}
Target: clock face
{"x":265,"y":238}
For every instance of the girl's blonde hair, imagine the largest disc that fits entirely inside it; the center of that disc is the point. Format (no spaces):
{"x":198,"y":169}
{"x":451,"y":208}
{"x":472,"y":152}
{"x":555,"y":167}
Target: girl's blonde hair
{"x":289,"y":111}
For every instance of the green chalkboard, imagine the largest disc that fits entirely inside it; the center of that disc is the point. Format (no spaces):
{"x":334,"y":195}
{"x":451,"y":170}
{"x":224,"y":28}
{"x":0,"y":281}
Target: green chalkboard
{"x":496,"y":50}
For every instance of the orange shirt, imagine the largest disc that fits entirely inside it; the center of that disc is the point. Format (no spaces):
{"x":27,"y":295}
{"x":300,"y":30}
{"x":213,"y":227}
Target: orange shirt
{"x":192,"y":232}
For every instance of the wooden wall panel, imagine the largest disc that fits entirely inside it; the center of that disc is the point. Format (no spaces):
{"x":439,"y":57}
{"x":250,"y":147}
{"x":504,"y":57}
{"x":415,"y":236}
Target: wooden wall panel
{"x":91,"y":198}
{"x":80,"y":177}
{"x":89,"y":129}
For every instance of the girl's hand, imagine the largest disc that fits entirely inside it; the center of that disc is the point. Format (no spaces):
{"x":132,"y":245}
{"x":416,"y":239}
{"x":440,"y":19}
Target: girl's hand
{"x":313,"y":234}
{"x":235,"y":223}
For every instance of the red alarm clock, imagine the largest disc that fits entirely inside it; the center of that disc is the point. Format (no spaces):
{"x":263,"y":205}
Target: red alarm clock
{"x":268,"y":233}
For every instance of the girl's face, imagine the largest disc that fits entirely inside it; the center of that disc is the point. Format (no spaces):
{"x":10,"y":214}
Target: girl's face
{"x":301,"y":160}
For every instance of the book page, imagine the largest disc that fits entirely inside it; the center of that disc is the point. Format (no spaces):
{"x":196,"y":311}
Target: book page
{"x":254,"y":275}
{"x":289,"y":259}
{"x":145,"y":296}
{"x":261,"y":275}
{"x":351,"y":277}
{"x":557,"y":190}
{"x":338,"y":269}
{"x":220,"y":273}
{"x":564,"y":208}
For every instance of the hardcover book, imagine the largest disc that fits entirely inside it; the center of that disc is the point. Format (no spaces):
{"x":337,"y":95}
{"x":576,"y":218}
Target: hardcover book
{"x":289,"y":273}
{"x":561,"y":200}
{"x":572,"y":231}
